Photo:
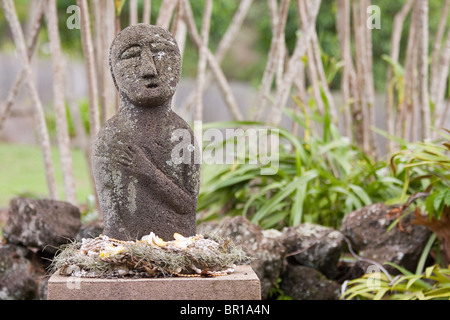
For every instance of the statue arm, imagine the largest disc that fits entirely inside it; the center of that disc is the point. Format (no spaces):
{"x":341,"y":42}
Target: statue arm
{"x":182,"y":201}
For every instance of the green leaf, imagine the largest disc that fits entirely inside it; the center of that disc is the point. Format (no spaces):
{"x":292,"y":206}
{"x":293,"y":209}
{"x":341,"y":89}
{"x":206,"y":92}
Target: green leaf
{"x":380,"y":294}
{"x":429,"y":204}
{"x":425,"y":253}
{"x":398,"y":69}
{"x":361,"y":194}
{"x":119,"y":6}
{"x":282,"y":194}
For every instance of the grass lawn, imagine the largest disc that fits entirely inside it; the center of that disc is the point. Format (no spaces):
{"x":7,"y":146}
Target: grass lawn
{"x":22,"y":173}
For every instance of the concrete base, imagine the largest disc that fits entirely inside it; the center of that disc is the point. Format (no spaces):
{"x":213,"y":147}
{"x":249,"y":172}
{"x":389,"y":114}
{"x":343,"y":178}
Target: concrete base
{"x":243,"y":284}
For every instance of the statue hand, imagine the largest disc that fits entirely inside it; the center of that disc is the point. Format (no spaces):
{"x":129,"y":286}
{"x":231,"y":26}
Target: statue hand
{"x":133,"y":155}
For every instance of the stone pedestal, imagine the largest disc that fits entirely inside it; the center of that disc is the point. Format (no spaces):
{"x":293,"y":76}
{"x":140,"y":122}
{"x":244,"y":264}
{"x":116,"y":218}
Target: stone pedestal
{"x":243,"y":284}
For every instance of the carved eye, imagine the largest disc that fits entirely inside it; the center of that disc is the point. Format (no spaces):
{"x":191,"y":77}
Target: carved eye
{"x":131,"y":52}
{"x":157,"y":46}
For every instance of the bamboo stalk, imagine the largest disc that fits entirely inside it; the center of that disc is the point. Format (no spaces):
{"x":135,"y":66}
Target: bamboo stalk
{"x":202,"y":64}
{"x":224,"y":86}
{"x":318,"y":65}
{"x":99,"y":50}
{"x":368,"y":76}
{"x":147,"y":14}
{"x":443,"y":77}
{"x":233,"y":29}
{"x":59,"y":104}
{"x":223,"y":47}
{"x":361,"y":73}
{"x":423,"y":70}
{"x":294,"y":65}
{"x":88,"y":52}
{"x":41,"y":127}
{"x":179,"y":31}
{"x":410,"y":70}
{"x":435,"y":60}
{"x":344,"y":34}
{"x":35,"y":27}
{"x":399,"y":20}
{"x":133,"y":12}
{"x":278,"y":24}
{"x":165,"y":13}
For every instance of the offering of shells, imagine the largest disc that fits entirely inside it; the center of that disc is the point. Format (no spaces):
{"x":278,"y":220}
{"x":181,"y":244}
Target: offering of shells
{"x":196,"y":256}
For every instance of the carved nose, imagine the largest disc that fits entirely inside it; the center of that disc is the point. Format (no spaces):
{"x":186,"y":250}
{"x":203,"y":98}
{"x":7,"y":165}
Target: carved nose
{"x":148,"y":68}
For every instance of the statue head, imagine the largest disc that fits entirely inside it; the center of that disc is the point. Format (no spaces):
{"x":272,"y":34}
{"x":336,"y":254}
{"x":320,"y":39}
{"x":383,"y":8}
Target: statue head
{"x":145,"y":63}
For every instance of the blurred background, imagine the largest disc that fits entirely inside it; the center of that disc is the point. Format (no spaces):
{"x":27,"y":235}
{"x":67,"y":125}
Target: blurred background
{"x":367,"y":81}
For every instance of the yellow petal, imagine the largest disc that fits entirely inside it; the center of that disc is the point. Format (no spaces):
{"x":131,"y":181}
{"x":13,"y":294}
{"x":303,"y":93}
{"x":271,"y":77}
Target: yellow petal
{"x":179,"y":237}
{"x":159,"y":242}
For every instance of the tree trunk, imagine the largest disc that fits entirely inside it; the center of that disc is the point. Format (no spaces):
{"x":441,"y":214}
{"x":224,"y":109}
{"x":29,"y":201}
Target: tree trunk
{"x":165,"y":13}
{"x":435,"y":61}
{"x":202,"y":63}
{"x":224,"y":86}
{"x":35,"y":27}
{"x":294,"y":65}
{"x":399,"y":20}
{"x":89,"y":59}
{"x":147,"y":14}
{"x":41,"y":127}
{"x":344,"y":34}
{"x":223,"y":47}
{"x":278,"y":19}
{"x":133,"y":12}
{"x":62,"y":130}
{"x":423,"y":71}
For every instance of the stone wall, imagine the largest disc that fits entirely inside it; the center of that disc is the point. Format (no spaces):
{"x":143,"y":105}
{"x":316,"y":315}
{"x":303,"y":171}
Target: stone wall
{"x":302,"y":262}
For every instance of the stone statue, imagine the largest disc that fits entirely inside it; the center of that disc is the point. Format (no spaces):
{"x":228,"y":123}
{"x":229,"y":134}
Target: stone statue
{"x":144,"y":158}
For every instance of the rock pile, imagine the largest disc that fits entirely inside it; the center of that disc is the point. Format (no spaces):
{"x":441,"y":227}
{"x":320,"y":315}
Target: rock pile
{"x":32,"y":234}
{"x":303,"y":262}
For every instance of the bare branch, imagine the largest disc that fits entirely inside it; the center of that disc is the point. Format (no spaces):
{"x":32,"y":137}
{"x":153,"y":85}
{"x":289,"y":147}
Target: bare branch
{"x":279,"y":25}
{"x":294,"y":65}
{"x":223,"y":47}
{"x":224,"y":86}
{"x":32,"y":41}
{"x":41,"y":127}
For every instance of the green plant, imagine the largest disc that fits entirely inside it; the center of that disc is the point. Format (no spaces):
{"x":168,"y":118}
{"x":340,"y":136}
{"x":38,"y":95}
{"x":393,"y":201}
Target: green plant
{"x":433,"y":160}
{"x":433,"y":284}
{"x":320,"y":178}
{"x":428,"y":163}
{"x":276,"y":293}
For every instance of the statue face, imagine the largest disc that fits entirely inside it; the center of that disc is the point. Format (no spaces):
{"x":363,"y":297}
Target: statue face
{"x":145,"y":64}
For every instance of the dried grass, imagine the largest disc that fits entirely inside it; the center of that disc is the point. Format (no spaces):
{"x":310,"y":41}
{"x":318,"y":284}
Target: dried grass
{"x":138,"y":259}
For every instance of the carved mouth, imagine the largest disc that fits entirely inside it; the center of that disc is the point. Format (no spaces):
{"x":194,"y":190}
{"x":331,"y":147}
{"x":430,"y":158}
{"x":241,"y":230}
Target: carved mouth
{"x":151,"y":86}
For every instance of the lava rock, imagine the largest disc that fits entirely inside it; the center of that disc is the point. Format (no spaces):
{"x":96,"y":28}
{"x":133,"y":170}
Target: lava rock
{"x":263,"y":246}
{"x":304,"y":283}
{"x":90,"y":230}
{"x":314,"y":246}
{"x":366,"y":230}
{"x":43,"y":224}
{"x":20,"y":278}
